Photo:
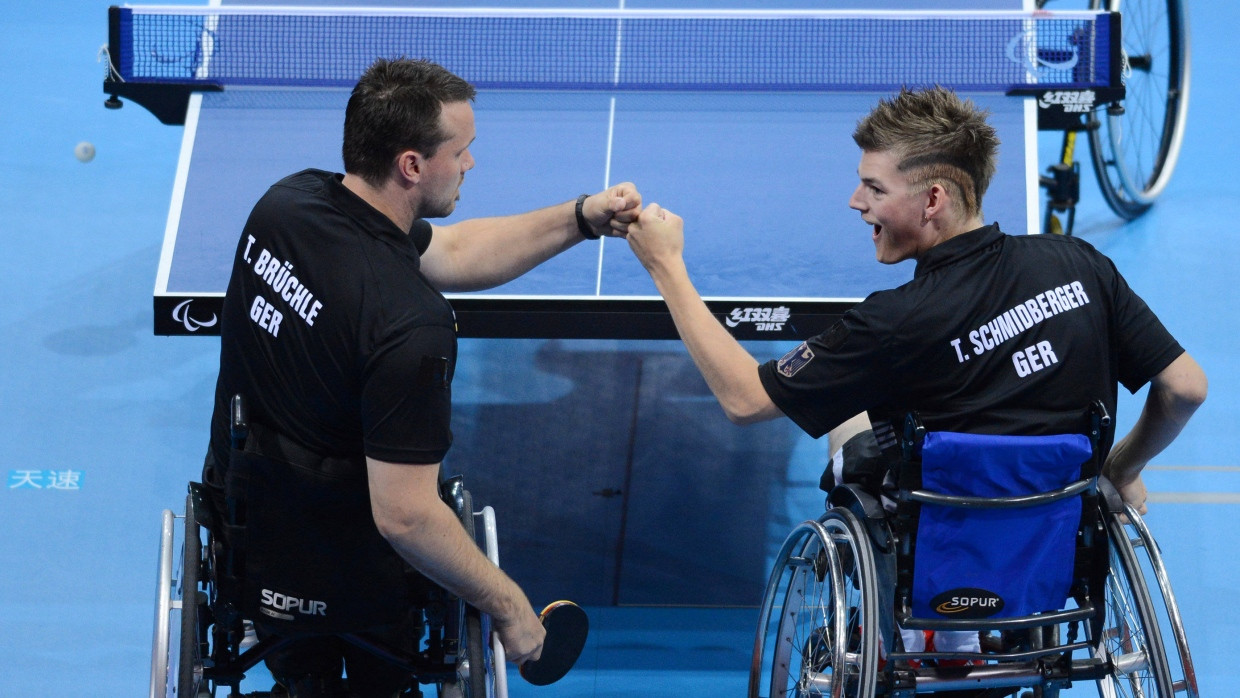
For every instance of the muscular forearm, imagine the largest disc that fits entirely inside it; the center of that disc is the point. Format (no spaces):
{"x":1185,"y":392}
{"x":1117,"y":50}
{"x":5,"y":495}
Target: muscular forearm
{"x":730,"y":371}
{"x":437,"y":545}
{"x":486,"y":252}
{"x":409,"y":513}
{"x":1174,"y":395}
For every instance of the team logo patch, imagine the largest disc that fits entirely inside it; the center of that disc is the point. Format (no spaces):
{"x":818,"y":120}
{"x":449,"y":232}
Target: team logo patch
{"x":795,"y":360}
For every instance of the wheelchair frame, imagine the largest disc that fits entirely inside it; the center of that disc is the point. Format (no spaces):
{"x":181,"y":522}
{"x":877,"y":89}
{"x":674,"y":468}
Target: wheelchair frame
{"x":836,"y":577}
{"x":456,"y":657}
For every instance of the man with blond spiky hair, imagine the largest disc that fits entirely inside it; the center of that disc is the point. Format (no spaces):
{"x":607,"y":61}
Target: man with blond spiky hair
{"x":995,"y":333}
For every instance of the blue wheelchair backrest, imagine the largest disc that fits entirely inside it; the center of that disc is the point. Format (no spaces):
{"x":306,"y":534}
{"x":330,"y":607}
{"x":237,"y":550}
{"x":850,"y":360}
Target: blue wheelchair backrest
{"x":974,"y":563}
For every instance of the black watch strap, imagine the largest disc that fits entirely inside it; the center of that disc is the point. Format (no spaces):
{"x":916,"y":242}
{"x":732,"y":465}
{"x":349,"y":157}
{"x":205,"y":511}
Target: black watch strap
{"x":582,"y":224}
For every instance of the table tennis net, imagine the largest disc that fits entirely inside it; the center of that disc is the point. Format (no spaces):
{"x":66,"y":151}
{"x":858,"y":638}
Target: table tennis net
{"x":650,"y":50}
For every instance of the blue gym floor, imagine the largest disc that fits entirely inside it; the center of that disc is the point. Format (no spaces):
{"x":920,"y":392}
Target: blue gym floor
{"x":104,"y":423}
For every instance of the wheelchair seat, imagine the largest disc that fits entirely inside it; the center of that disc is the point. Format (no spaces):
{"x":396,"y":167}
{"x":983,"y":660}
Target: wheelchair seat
{"x":1015,"y":538}
{"x":988,"y":511}
{"x":291,"y":551}
{"x":296,"y":529}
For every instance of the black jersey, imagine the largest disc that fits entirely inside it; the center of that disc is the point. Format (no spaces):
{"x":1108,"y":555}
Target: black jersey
{"x":331,"y":331}
{"x":994,"y":334}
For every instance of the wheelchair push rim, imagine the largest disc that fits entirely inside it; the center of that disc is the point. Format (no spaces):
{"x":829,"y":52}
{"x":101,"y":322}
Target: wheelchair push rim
{"x":479,"y":674}
{"x":821,"y":597}
{"x":1131,"y":641}
{"x":1166,"y":608}
{"x":1138,"y":620}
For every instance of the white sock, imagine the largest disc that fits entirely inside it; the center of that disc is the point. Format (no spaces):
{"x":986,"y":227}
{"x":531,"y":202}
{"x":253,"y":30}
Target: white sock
{"x":957,"y":641}
{"x":914,"y":640}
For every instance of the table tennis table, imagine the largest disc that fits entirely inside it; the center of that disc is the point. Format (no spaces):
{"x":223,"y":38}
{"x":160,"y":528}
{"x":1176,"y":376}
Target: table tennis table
{"x":762,"y":178}
{"x":761,"y":174}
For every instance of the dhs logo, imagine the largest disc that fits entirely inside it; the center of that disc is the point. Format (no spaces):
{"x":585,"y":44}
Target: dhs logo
{"x":967,"y":602}
{"x":1072,"y":101}
{"x":763,"y":319}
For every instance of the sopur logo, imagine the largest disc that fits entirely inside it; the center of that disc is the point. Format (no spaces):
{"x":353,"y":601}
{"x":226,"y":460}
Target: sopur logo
{"x":967,"y":602}
{"x":283,"y":606}
{"x":181,"y":314}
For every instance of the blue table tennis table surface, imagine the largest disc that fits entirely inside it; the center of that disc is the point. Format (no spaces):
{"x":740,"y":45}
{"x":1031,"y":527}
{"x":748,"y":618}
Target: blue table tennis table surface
{"x":761,"y":179}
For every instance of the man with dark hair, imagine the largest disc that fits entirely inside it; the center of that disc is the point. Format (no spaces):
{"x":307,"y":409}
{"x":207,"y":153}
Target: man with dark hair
{"x":995,"y":334}
{"x":336,"y":332}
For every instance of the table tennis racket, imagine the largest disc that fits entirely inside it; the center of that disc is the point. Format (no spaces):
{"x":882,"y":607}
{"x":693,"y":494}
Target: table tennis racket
{"x":567,"y":626}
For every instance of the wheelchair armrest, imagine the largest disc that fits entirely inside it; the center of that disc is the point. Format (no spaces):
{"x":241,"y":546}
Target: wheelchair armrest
{"x":452,"y":491}
{"x":1111,"y":498}
{"x":203,"y":506}
{"x":239,"y":421}
{"x":867,"y":508}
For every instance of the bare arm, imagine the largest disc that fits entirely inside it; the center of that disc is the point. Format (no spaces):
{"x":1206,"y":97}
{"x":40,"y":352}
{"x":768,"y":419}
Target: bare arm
{"x":483,"y":253}
{"x":1174,"y":395}
{"x":426,"y":532}
{"x":657,"y":238}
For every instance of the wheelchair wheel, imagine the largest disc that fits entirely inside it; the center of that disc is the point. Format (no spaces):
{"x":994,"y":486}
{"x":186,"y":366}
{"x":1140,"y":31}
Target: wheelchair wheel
{"x":1165,"y":611}
{"x":1131,"y":638}
{"x":476,"y":653}
{"x":474,"y":662}
{"x":817,"y":631}
{"x":1165,"y":606}
{"x":190,"y":682}
{"x":1135,"y":149}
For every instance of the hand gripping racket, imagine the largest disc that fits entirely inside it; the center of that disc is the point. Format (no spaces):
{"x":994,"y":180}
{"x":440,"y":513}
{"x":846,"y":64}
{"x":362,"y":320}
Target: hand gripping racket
{"x":567,"y":627}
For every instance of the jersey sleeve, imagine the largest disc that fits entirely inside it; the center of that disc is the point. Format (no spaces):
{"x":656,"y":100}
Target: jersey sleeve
{"x":407,"y":396}
{"x":831,"y":377}
{"x":1145,"y":347}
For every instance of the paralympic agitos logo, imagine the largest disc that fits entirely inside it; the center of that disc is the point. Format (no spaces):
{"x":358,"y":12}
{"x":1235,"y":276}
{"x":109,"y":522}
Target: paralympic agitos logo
{"x":1022,"y":49}
{"x":182,"y":315}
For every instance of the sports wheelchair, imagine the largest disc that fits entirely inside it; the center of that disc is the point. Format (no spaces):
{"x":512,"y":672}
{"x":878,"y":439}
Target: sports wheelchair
{"x":209,"y":617}
{"x":1016,"y":539}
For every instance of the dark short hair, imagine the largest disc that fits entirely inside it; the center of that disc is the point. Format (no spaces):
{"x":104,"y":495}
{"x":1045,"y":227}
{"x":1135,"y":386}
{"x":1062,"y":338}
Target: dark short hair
{"x":394,"y":107}
{"x":936,"y":137}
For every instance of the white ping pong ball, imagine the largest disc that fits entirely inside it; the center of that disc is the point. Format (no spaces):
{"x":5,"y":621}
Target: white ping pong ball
{"x":85,"y":151}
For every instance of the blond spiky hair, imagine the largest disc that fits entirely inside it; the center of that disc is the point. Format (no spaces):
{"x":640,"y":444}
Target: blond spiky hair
{"x":936,"y":137}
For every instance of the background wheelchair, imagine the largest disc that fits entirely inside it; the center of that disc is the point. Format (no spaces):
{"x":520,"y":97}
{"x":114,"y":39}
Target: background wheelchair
{"x":1134,"y":137}
{"x":840,"y":585}
{"x":195,"y":652}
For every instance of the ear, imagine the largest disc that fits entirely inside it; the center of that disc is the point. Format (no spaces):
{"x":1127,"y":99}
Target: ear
{"x":409,"y":166}
{"x":938,"y":200}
